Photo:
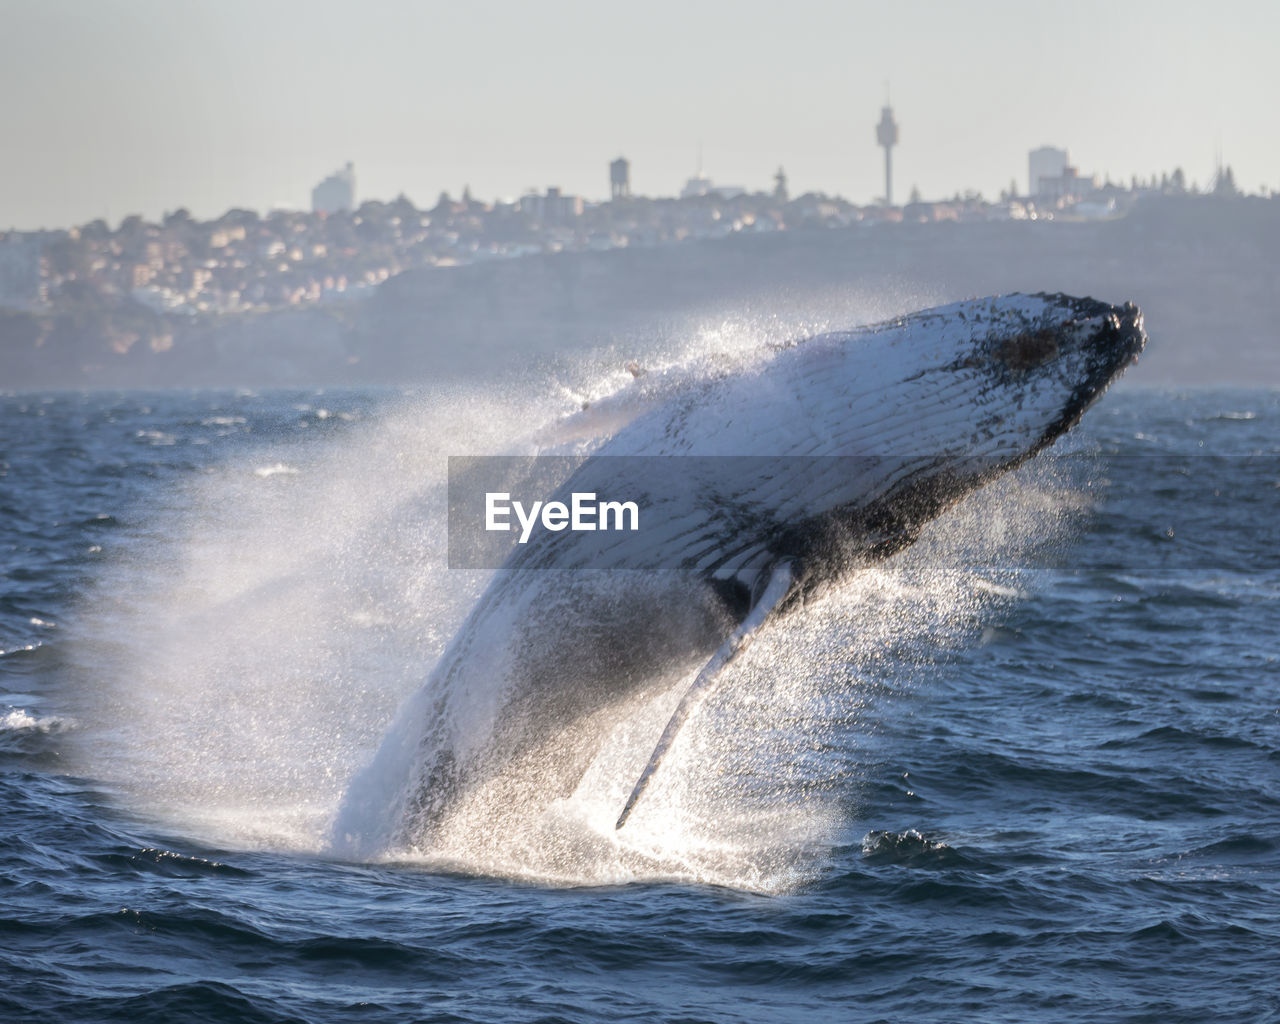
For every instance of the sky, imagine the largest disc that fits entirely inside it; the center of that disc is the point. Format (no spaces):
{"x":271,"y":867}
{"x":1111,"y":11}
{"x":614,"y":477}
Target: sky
{"x":114,"y":107}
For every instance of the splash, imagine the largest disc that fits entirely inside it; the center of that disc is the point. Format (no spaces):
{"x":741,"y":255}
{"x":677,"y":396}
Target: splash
{"x":250,"y":657}
{"x":21,"y":720}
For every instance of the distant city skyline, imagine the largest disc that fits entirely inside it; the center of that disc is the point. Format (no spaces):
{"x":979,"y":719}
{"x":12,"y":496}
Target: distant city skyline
{"x":141,"y":106}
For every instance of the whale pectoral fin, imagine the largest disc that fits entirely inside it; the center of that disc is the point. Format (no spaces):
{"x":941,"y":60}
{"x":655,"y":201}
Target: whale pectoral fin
{"x":781,"y":578}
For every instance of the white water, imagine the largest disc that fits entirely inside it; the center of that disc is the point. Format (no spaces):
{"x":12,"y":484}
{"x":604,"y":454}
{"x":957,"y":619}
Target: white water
{"x":249,"y":657}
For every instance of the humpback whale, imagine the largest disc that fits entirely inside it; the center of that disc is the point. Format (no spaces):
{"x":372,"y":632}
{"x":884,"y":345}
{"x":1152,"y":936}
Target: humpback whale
{"x":760,"y":487}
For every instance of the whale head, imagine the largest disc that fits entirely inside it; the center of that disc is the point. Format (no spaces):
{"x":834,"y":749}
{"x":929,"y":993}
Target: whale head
{"x":920,"y":411}
{"x":997,"y":378}
{"x":1053,"y":355}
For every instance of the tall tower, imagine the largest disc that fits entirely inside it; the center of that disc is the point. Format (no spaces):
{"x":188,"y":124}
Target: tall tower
{"x":887,"y":136}
{"x":619,"y":179}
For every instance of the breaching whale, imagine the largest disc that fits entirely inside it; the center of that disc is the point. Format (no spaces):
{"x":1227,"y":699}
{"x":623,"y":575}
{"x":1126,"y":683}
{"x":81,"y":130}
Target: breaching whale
{"x":760,"y":487}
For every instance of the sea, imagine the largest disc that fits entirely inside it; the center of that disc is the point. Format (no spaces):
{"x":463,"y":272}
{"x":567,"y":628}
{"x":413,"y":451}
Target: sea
{"x":1028,"y":770}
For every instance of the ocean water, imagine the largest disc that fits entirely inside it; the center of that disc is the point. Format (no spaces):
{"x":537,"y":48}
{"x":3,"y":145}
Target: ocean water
{"x":1029,"y":770}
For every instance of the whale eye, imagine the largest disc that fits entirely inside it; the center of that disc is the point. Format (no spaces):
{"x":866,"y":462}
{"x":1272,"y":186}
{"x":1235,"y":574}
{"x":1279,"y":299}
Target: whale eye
{"x":1028,"y":350}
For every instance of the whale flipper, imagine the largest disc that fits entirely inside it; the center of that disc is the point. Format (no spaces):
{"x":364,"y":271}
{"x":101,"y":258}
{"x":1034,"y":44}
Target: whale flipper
{"x":779,"y":586}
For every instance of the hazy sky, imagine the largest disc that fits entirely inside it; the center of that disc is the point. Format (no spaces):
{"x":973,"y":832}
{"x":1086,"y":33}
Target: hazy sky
{"x":110,"y":107}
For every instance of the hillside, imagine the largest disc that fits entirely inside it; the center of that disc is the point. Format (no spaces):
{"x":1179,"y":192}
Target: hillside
{"x":1203,"y":270}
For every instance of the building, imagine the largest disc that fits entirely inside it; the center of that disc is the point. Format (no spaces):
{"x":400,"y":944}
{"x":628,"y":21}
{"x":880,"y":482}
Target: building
{"x":700,"y":185}
{"x":336,"y":193}
{"x":1045,"y":162}
{"x":780,"y":193}
{"x":1068,"y":187}
{"x":696,"y":186}
{"x":620,"y":179}
{"x":552,"y":208}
